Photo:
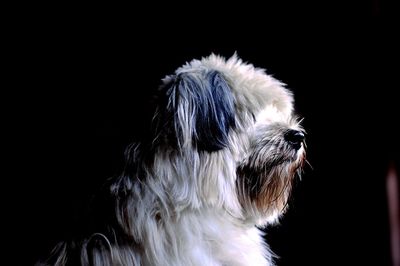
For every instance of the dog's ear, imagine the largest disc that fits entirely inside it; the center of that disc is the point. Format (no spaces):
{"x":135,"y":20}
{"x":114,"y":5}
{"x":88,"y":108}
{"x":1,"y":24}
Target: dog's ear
{"x":214,"y":113}
{"x":200,"y":106}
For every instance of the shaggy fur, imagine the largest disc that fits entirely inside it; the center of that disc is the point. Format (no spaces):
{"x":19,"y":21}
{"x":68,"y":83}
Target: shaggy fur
{"x":220,"y":161}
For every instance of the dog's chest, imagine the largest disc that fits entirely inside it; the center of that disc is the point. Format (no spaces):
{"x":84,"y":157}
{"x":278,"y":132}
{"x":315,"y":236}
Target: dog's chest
{"x":214,"y":241}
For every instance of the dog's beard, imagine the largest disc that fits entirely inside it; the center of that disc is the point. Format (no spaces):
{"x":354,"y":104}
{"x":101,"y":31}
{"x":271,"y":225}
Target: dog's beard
{"x":265,"y":178}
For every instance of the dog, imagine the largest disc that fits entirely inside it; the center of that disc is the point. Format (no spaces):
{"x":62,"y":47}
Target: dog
{"x":224,"y":150}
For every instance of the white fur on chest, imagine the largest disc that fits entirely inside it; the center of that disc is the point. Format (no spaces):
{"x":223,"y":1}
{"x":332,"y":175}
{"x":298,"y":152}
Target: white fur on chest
{"x":208,"y":238}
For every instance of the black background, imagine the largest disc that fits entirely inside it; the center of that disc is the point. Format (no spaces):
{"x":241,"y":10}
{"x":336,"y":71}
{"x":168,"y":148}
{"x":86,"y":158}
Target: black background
{"x":81,"y":82}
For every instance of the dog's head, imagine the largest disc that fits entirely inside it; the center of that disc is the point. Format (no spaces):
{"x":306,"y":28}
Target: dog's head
{"x":225,"y":136}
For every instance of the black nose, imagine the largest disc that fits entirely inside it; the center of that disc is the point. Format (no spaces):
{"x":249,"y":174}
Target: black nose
{"x":295,"y":138}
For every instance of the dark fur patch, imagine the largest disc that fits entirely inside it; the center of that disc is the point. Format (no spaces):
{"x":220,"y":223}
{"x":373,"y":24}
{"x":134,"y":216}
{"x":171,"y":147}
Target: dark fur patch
{"x":215,"y":114}
{"x":210,"y":104}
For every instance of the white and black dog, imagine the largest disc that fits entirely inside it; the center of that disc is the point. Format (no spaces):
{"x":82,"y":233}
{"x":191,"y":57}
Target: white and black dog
{"x":219,"y":163}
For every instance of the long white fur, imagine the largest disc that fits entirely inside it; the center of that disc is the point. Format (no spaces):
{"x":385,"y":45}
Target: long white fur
{"x":187,"y":211}
{"x":203,"y":221}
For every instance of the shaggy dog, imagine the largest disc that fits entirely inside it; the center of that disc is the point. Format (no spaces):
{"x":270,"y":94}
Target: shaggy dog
{"x":219,"y":164}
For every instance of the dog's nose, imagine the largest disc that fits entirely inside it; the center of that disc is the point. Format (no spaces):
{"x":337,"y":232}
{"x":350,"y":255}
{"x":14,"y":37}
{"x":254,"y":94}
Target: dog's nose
{"x":295,"y":138}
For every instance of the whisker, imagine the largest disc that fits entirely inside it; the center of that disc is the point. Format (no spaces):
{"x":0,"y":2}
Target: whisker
{"x":309,"y":164}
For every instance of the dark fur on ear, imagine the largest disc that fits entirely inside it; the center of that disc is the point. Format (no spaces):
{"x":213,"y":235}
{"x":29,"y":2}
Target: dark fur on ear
{"x":199,"y":110}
